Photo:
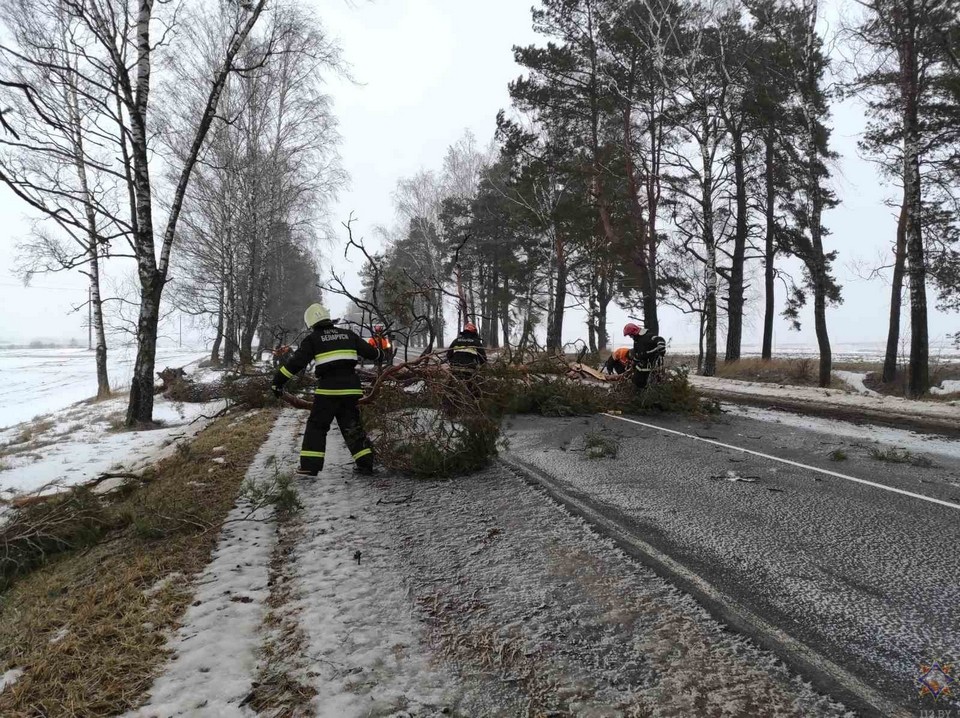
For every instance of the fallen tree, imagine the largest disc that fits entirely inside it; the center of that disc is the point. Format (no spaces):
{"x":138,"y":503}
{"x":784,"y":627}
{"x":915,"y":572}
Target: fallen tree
{"x":426,"y":419}
{"x":429,"y":420}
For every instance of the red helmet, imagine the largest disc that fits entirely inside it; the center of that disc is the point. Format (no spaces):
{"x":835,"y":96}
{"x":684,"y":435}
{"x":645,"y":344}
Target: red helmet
{"x":632,"y":330}
{"x":378,"y":329}
{"x":470,"y":327}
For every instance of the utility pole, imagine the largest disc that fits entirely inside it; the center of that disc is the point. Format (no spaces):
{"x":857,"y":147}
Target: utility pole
{"x":89,"y":319}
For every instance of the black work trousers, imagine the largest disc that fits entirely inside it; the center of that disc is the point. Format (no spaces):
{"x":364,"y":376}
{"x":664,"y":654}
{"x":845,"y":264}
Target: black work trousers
{"x":641,"y":375}
{"x":347,"y":413}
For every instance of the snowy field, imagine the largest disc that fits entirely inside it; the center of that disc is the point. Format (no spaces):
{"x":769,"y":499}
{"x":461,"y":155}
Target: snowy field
{"x":85,"y":441}
{"x":940,"y":350}
{"x":41,"y":381}
{"x":51,"y":437}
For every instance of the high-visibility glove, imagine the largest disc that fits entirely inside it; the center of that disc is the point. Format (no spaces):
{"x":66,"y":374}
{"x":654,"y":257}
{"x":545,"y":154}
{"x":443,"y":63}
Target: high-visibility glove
{"x":277,"y":391}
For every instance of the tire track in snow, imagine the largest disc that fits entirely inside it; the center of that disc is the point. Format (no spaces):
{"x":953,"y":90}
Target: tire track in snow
{"x":216,"y":650}
{"x":366,"y":647}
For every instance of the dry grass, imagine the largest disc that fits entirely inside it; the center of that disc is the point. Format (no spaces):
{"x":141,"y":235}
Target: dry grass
{"x":84,"y":627}
{"x":33,"y":430}
{"x":281,"y":690}
{"x":599,"y":446}
{"x":893,"y":455}
{"x":939,"y":372}
{"x":795,"y":372}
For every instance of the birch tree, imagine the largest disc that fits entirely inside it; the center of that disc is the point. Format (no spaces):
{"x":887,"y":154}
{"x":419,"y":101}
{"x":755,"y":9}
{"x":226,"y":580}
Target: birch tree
{"x":116,"y":51}
{"x":55,"y":155}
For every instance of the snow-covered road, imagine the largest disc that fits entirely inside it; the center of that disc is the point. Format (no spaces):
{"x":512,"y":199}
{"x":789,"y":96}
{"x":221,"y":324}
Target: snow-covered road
{"x":40,"y":381}
{"x":863,"y":573}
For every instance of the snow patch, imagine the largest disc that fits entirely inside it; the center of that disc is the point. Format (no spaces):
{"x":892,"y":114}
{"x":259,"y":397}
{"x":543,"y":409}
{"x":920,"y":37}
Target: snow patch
{"x":356,"y":611}
{"x":83,"y":443}
{"x":8,"y":679}
{"x":910,"y":440}
{"x":162,"y":584}
{"x":890,"y":406}
{"x":856,"y":380}
{"x":948,"y":386}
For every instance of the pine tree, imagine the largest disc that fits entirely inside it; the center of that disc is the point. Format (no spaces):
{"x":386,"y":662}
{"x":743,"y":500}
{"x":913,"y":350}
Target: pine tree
{"x":909,"y":86}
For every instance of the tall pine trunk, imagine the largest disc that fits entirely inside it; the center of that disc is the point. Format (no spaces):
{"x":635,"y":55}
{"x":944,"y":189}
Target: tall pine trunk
{"x":603,"y":301}
{"x":919,"y":382}
{"x":505,"y":313}
{"x":710,"y":300}
{"x":738,"y":257}
{"x":555,"y":327}
{"x":819,"y":270}
{"x":592,"y":318}
{"x":896,"y":296}
{"x":769,"y":254}
{"x":823,"y":338}
{"x":644,"y":231}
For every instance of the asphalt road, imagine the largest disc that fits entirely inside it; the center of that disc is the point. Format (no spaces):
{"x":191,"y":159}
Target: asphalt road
{"x":865,"y":575}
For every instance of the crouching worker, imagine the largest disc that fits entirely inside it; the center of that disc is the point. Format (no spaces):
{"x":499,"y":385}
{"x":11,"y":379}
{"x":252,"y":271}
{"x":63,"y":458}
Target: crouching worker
{"x":335,"y":351}
{"x":647,"y":353}
{"x":618,"y":361}
{"x":381,"y":341}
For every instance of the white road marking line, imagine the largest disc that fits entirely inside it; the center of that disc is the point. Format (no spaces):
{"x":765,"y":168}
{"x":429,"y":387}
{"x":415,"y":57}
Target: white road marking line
{"x":743,"y":618}
{"x":948,"y":504}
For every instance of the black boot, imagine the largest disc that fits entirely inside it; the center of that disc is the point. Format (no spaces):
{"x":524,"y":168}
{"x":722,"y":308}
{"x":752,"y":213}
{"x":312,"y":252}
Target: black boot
{"x":365,"y":470}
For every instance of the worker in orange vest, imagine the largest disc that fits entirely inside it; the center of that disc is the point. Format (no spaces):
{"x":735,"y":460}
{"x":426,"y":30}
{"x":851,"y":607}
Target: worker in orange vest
{"x":618,"y":361}
{"x":381,"y":341}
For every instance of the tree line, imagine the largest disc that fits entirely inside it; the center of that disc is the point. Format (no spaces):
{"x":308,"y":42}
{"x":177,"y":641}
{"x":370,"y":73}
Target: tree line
{"x":670,"y":153}
{"x":656,"y":153}
{"x":191,"y":139}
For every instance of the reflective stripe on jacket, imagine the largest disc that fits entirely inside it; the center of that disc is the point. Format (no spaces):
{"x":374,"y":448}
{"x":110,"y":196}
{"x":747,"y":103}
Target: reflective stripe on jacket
{"x":335,"y":351}
{"x":467,"y":350}
{"x":647,"y":348}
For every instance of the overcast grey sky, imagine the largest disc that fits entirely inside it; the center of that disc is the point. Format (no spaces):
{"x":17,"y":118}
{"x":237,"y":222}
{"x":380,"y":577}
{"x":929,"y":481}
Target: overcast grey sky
{"x":426,"y":71}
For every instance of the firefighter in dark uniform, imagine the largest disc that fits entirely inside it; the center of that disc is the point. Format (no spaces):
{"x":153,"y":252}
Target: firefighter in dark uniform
{"x":335,"y":351}
{"x":466,"y":355}
{"x":466,"y":352}
{"x":647,"y":354}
